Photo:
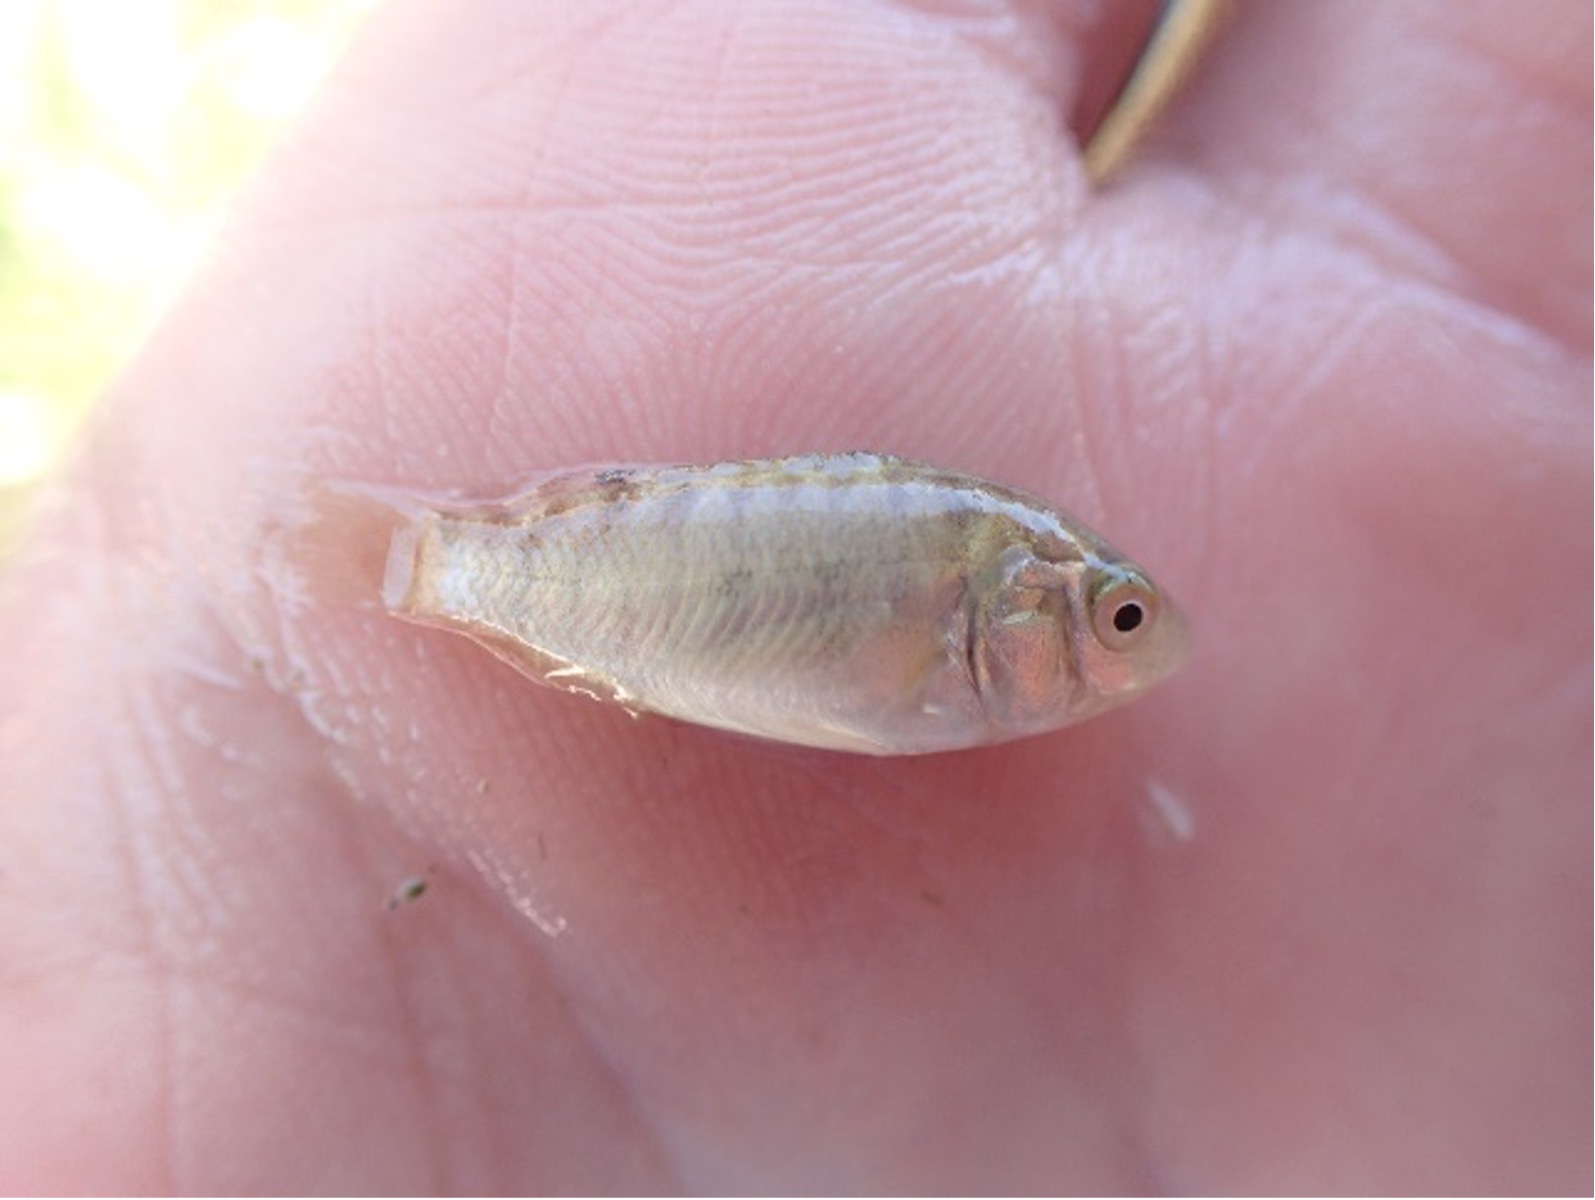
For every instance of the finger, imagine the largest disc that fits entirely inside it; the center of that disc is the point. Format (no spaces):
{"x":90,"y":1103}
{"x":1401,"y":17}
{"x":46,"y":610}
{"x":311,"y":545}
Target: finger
{"x":1455,"y":137}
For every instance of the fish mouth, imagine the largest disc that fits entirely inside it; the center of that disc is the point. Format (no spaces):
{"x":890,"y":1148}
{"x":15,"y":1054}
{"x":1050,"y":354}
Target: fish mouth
{"x":1170,"y":647}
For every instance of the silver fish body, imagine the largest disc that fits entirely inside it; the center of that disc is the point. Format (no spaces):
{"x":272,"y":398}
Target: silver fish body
{"x":854,"y":602}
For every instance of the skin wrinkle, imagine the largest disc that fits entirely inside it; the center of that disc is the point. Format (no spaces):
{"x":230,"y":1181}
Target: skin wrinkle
{"x":897,"y":830}
{"x":420,"y":1073}
{"x":157,"y":960}
{"x":697,"y":1183}
{"x":717,"y":72}
{"x":152,"y":737}
{"x":152,"y":733}
{"x":1335,"y":344}
{"x":619,"y":1088}
{"x":1376,"y":237}
{"x":1506,"y":73}
{"x":1088,"y":441}
{"x":1279,"y":405}
{"x":1120,"y":1125}
{"x":1424,"y":287}
{"x":371,"y":1043}
{"x":609,"y":987}
{"x":1373,"y":235}
{"x":1569,"y":91}
{"x":497,"y":426}
{"x":829,"y":187}
{"x":646,"y":1124}
{"x":171,"y":973}
{"x":1399,"y":197}
{"x":482,"y":1118}
{"x":1103,"y":336}
{"x":167,"y":1089}
{"x":1479,"y":280}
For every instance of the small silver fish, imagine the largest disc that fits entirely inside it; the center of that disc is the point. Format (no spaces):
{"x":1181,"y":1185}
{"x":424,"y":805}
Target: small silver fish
{"x":854,"y":601}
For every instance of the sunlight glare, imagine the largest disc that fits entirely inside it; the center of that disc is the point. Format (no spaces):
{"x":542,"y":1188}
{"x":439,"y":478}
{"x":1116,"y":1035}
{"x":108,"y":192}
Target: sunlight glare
{"x":27,"y":438}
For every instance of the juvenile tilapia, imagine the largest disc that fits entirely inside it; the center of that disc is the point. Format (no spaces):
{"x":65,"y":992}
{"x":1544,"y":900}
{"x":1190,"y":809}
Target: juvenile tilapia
{"x":855,"y":601}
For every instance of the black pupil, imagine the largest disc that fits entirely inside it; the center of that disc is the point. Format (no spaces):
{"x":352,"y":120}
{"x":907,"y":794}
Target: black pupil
{"x":1128,"y":616}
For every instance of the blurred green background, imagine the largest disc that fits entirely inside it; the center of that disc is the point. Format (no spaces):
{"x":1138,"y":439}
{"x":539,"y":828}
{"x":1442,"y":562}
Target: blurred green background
{"x":124,"y":127}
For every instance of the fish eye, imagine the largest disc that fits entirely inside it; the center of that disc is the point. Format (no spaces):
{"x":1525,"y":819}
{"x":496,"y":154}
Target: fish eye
{"x":1128,"y":617}
{"x":1123,"y":608}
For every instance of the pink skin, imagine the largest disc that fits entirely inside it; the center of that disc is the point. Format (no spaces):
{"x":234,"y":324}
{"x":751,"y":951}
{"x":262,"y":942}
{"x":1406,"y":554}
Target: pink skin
{"x":1320,"y":359}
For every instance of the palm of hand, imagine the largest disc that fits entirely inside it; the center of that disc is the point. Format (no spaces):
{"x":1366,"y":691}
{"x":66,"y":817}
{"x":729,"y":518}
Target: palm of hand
{"x":1315,"y":915}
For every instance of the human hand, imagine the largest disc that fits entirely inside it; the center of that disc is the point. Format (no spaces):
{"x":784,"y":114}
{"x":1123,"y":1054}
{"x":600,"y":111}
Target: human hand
{"x":1314,"y":916}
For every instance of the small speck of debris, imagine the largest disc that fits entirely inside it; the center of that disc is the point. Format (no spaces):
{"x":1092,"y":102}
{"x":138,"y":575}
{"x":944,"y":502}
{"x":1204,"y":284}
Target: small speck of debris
{"x":482,"y":785}
{"x":408,"y":891}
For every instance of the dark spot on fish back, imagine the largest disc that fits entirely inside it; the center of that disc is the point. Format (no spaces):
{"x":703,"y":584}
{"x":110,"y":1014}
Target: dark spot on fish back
{"x":615,"y":485}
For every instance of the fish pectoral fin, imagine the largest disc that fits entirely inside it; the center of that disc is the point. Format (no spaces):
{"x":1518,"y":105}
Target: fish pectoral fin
{"x":583,"y":682}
